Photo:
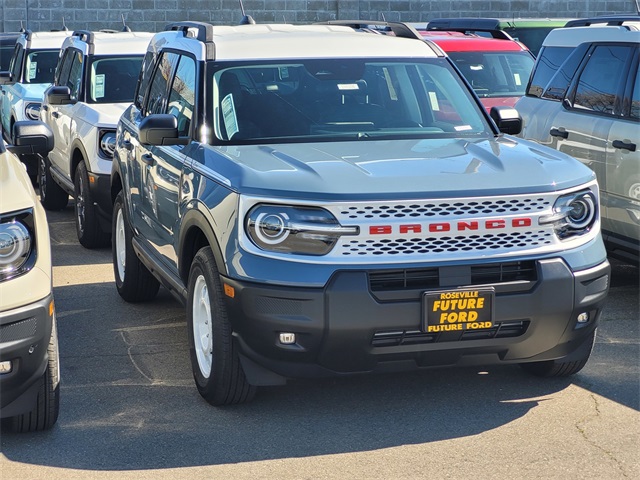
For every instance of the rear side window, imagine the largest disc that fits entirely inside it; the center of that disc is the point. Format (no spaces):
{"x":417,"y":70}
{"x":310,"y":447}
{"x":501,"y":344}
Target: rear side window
{"x":549,"y":62}
{"x":601,"y":79}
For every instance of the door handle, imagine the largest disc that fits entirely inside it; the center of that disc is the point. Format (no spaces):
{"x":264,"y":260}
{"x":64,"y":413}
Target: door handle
{"x":55,"y":114}
{"x":128,"y":145}
{"x":147,"y":158}
{"x":624,"y":145}
{"x":556,"y":132}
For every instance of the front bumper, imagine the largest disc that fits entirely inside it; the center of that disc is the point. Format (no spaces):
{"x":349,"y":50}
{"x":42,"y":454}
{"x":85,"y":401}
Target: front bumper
{"x":24,"y":338}
{"x":348,"y":327}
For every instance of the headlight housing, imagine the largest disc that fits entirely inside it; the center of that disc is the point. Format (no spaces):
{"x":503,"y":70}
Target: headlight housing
{"x":107,"y":140}
{"x":573,"y":214}
{"x":293,"y":229}
{"x":32,"y":111}
{"x":17,"y":244}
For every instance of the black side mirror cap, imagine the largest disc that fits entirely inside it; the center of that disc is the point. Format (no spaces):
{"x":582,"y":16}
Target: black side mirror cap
{"x":507,"y":119}
{"x":160,"y":129}
{"x":5,"y":78}
{"x":31,"y":137}
{"x":58,"y":95}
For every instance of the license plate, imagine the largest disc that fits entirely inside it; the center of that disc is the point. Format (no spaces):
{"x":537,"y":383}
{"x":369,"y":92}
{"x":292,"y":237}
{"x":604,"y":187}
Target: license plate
{"x":458,"y":310}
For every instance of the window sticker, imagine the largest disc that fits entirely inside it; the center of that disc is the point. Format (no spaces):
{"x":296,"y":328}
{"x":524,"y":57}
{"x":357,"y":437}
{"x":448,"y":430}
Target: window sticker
{"x":229,"y":115}
{"x":516,"y":77}
{"x":98,"y":88}
{"x":283,"y":72}
{"x":33,"y":70}
{"x":434,"y":101}
{"x":348,"y":86}
{"x":461,"y":128}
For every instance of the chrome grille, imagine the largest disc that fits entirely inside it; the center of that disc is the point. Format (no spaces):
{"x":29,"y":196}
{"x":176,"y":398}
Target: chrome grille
{"x":407,"y":246}
{"x":416,"y":210}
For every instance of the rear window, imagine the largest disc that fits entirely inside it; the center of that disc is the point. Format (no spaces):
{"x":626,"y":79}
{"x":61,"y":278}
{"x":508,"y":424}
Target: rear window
{"x":549,"y":62}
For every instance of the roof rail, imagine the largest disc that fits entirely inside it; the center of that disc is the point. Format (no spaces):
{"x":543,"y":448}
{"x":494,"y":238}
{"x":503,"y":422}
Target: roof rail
{"x":610,"y":20}
{"x":399,"y":29}
{"x":469,"y":25}
{"x":204,"y":35}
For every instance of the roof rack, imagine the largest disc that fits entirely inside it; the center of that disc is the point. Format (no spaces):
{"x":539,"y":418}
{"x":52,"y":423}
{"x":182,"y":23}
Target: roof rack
{"x":204,"y":35}
{"x":610,"y":21}
{"x":399,"y":29}
{"x":469,"y":25}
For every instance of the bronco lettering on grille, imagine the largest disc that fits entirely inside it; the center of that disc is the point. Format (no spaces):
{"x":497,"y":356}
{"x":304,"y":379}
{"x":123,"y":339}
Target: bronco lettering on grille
{"x":520,"y":222}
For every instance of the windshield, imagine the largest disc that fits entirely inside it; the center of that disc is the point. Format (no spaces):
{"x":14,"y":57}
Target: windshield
{"x":41,"y":66}
{"x":495,"y":74}
{"x":342,"y":99}
{"x":113,"y":79}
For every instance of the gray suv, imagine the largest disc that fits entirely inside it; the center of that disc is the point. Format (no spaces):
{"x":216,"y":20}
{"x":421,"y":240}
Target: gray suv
{"x":331,"y":202}
{"x":583,"y":99}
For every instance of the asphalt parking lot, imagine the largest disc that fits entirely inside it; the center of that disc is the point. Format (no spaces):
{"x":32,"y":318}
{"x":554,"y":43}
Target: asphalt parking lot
{"x":129,"y":408}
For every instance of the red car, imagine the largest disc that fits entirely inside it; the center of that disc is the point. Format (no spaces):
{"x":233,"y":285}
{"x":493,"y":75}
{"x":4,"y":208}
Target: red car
{"x":497,"y":68}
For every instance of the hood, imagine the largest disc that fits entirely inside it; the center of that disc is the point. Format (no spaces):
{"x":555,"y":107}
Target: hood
{"x":16,"y":191}
{"x":394,"y":169}
{"x":100,"y":114}
{"x":31,"y":92}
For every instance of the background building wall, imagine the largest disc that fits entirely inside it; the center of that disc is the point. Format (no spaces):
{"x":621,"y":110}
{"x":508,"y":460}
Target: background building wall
{"x":153,"y":15}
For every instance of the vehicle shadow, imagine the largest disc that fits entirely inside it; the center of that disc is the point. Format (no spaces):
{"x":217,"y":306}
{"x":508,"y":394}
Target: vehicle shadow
{"x":128,"y":401}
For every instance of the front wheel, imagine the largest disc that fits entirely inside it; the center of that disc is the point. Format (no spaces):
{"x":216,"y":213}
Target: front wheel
{"x":214,"y":360}
{"x":88,"y":228}
{"x":134,"y":282}
{"x":44,"y":414}
{"x":563,"y":368}
{"x":52,"y":196}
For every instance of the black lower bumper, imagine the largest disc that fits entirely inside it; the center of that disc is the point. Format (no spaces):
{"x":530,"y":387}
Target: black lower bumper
{"x":24,"y":338}
{"x":347,"y":328}
{"x":100,"y":188}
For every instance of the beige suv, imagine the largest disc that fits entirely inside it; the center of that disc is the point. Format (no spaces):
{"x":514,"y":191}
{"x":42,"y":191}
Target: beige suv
{"x":29,"y":369}
{"x":584,"y":100}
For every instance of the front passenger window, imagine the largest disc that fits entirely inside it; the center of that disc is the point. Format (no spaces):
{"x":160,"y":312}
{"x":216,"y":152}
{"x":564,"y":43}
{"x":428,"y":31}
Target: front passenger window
{"x":159,"y":83}
{"x":601,"y":78}
{"x":182,"y":96}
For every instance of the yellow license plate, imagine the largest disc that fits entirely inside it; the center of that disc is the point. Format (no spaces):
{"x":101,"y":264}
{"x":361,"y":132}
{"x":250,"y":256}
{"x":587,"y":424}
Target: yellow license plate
{"x":458,"y":310}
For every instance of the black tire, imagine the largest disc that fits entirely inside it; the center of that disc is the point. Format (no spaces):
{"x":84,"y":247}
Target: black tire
{"x":52,"y":196}
{"x":45,"y":413}
{"x":133,"y":280}
{"x":560,"y":368}
{"x":219,"y":377}
{"x":88,"y":228}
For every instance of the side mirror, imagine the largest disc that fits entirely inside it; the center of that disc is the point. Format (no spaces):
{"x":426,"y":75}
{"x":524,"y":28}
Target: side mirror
{"x":507,"y":119}
{"x":160,"y":129}
{"x":31,"y":137}
{"x":5,"y":78}
{"x":58,"y":95}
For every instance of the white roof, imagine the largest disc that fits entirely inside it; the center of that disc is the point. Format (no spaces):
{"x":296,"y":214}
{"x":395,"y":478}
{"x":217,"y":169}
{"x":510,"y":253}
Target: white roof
{"x":46,"y":40}
{"x":275,"y":41}
{"x":574,"y":36}
{"x":123,"y":43}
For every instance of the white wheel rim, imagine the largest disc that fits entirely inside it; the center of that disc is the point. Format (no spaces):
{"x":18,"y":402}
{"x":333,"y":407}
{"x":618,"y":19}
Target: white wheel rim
{"x":634,"y":191}
{"x":202,"y":333}
{"x":120,"y":246}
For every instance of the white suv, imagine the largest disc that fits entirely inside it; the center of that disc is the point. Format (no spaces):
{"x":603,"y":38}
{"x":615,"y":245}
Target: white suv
{"x":584,"y":100}
{"x":29,"y":368}
{"x":94,"y":84}
{"x":31,"y":69}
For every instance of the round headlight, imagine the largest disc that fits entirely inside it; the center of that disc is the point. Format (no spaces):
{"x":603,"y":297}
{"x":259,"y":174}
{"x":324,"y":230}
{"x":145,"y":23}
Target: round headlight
{"x":32,"y":111}
{"x":582,"y":211}
{"x":271,"y":228}
{"x":15,"y":246}
{"x":108,"y":144}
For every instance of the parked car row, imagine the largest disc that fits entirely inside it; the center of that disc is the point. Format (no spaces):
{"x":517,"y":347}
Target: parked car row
{"x":327,"y":201}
